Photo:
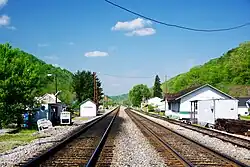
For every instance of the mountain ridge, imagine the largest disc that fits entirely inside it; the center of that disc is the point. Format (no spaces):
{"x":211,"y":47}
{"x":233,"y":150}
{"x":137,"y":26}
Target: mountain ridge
{"x":229,"y":73}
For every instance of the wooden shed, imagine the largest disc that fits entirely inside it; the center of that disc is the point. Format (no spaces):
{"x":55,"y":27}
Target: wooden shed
{"x":88,"y":108}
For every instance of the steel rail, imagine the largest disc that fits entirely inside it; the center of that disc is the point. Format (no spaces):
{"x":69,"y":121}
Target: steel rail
{"x":77,"y":132}
{"x":206,"y":131}
{"x":163,"y":142}
{"x":201,"y":145}
{"x":94,"y":157}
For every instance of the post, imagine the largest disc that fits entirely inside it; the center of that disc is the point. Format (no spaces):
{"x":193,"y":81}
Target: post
{"x":166,"y":89}
{"x":56,"y":87}
{"x":94,"y":78}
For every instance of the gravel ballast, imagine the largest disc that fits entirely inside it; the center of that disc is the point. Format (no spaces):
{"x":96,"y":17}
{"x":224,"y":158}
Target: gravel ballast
{"x":229,"y":149}
{"x":50,"y":137}
{"x":132,"y":148}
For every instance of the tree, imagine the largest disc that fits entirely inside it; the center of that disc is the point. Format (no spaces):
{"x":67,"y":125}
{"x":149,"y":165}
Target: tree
{"x":157,"y":91}
{"x":138,"y":93}
{"x":19,"y":82}
{"x":83,"y":85}
{"x":23,"y":77}
{"x":229,"y":73}
{"x":99,"y":89}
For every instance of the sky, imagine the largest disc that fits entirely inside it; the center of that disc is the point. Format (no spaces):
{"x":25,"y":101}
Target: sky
{"x":122,"y":48}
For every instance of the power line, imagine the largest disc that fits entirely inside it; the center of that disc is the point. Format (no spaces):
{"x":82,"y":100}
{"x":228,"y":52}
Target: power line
{"x":121,"y":76}
{"x":175,"y":25}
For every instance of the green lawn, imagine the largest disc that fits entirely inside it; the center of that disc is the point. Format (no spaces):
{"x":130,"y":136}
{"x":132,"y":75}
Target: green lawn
{"x":80,"y":118}
{"x":247,"y":118}
{"x":9,"y":141}
{"x":157,"y":113}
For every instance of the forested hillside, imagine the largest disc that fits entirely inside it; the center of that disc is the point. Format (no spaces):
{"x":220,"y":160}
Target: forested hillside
{"x":230,"y":73}
{"x":13,"y":60}
{"x":119,"y":98}
{"x":24,"y":77}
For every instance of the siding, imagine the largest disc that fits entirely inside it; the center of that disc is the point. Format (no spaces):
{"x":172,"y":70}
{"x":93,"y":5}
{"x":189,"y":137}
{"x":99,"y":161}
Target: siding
{"x":88,"y":109}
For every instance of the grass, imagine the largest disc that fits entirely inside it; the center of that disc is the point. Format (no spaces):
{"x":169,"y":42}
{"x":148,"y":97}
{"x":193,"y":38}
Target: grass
{"x":198,"y":125}
{"x":247,"y":118}
{"x":10,"y":141}
{"x":157,"y":113}
{"x":81,"y":118}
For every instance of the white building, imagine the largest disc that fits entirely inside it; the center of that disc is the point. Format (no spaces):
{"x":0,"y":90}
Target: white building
{"x":242,"y":105}
{"x":156,"y":102}
{"x":182,"y":103}
{"x":88,"y":108}
{"x":48,"y":99}
{"x":49,"y":109}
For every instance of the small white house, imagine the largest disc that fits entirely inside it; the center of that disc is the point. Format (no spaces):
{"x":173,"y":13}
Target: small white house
{"x":49,"y":109}
{"x":48,"y":99}
{"x":183,"y":104}
{"x":155,"y":101}
{"x":88,"y":108}
{"x":243,"y":105}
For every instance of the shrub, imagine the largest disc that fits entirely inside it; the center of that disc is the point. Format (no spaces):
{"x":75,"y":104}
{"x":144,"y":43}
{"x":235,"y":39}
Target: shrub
{"x":150,"y":108}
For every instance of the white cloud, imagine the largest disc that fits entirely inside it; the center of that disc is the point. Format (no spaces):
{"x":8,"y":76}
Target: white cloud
{"x":4,"y":20}
{"x":96,"y":54}
{"x":142,"y":32}
{"x":131,"y":25}
{"x":43,"y":45}
{"x":52,"y":57}
{"x":11,"y":27}
{"x":71,"y":43}
{"x":3,"y":3}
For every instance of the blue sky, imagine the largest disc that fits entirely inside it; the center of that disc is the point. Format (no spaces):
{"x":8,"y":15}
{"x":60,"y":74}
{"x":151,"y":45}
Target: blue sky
{"x":86,"y":35}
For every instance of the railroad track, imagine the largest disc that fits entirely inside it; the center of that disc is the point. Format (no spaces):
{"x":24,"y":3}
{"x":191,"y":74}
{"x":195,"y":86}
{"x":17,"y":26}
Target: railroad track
{"x":87,"y":147}
{"x":178,"y":150}
{"x":240,"y":142}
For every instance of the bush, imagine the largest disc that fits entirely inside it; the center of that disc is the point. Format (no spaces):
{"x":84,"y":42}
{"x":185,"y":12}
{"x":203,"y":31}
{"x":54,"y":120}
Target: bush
{"x":150,"y":108}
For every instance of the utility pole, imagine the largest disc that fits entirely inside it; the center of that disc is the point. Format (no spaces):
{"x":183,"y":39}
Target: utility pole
{"x":56,"y":86}
{"x":166,"y":85}
{"x":166,"y":92}
{"x":95,"y":93}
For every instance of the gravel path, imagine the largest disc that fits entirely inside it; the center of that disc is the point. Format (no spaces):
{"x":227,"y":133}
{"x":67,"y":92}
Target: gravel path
{"x":229,"y":149}
{"x":50,"y":138}
{"x":132,"y":148}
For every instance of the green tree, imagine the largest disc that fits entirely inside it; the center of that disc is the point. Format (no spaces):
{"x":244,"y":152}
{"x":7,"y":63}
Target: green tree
{"x":83,"y":85}
{"x":22,"y":77}
{"x":19,"y":82}
{"x":229,"y":73}
{"x":157,"y":91}
{"x":99,"y":89}
{"x":138,"y":93}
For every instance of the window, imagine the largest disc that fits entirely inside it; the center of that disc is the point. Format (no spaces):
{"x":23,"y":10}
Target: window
{"x":195,"y":105}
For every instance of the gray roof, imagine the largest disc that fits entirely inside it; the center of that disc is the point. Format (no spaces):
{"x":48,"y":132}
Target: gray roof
{"x":183,"y":93}
{"x":88,"y":99}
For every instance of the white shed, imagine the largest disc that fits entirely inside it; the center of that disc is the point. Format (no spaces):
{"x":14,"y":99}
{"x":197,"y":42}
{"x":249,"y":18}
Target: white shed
{"x":210,"y":110}
{"x":88,"y":108}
